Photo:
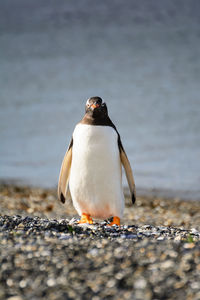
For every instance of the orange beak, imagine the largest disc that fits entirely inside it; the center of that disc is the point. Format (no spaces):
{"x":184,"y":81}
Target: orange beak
{"x":95,"y":105}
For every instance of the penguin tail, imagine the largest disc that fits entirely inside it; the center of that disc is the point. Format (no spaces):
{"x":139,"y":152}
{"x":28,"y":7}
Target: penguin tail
{"x":133,"y":198}
{"x":62,"y":198}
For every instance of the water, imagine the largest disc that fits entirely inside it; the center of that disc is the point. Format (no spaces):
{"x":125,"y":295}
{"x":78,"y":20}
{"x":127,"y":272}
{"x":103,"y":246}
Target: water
{"x":141,"y":57}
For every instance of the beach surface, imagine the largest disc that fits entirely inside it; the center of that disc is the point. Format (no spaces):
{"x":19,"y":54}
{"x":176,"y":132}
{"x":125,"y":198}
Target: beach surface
{"x":45,"y":253}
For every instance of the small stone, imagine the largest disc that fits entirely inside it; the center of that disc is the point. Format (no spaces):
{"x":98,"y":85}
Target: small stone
{"x":195,"y":285}
{"x":111,"y":283}
{"x":9,"y":282}
{"x":64,"y":236}
{"x":140,"y":283}
{"x":130,"y":236}
{"x":51,"y":282}
{"x":14,"y":298}
{"x":160,"y":238}
{"x":119,"y":275}
{"x":194,"y":230}
{"x":72,"y":221}
{"x":96,"y":298}
{"x":93,"y":252}
{"x":177,"y":238}
{"x":189,"y":245}
{"x":167,"y":264}
{"x":23,"y":284}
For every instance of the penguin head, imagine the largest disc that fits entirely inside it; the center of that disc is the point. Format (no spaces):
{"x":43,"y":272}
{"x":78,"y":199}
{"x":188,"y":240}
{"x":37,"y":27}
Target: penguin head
{"x":96,"y":107}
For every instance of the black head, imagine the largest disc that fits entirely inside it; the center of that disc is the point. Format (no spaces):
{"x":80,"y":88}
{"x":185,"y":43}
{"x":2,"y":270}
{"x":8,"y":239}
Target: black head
{"x":95,"y":107}
{"x":96,"y":113}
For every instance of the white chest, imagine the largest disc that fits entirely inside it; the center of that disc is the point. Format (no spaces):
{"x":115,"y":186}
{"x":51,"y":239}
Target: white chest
{"x":98,"y":142}
{"x":95,"y":177}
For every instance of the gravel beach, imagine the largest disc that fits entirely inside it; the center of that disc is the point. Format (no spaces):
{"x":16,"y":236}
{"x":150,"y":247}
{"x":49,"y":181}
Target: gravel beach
{"x":46,"y":254}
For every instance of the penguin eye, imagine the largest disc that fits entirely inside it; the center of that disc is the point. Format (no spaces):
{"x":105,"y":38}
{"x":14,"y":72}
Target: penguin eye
{"x":88,"y":104}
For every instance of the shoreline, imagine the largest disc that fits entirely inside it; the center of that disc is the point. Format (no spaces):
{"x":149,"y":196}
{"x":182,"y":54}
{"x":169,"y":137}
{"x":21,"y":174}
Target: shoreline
{"x":148,"y":209}
{"x":141,"y":191}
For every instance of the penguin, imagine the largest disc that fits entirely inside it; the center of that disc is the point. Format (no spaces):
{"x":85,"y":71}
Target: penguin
{"x":91,"y":171}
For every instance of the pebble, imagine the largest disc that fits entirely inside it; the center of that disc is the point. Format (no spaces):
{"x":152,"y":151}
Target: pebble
{"x":63,"y":260}
{"x":14,"y":298}
{"x":46,"y":254}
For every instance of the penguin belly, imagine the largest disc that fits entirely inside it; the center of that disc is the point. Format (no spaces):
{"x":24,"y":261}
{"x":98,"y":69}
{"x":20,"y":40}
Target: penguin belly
{"x":95,"y":179}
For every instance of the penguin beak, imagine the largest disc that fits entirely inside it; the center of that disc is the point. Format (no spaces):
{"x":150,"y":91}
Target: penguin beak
{"x":95,"y":105}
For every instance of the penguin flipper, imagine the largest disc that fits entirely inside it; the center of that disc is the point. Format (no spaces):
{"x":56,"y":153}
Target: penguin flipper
{"x":129,"y":174}
{"x":63,"y":182}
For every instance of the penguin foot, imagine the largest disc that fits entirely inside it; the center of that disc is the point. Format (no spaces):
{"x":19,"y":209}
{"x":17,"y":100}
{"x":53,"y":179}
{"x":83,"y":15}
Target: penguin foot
{"x":116,"y":221}
{"x":85,"y":218}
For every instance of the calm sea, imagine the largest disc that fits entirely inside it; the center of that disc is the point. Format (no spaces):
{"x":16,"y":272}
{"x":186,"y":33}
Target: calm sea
{"x":141,"y":57}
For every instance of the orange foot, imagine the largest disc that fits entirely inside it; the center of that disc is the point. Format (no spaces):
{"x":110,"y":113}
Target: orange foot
{"x":116,"y":221}
{"x":85,"y":218}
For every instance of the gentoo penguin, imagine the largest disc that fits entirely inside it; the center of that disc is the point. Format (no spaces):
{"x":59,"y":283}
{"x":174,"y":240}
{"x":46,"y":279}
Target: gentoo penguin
{"x":91,"y":170}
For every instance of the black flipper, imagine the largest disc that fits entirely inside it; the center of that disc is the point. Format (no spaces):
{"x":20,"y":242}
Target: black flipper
{"x":63,"y":183}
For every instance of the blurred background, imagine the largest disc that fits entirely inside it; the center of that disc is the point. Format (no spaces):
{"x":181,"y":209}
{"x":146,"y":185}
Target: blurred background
{"x":141,"y":57}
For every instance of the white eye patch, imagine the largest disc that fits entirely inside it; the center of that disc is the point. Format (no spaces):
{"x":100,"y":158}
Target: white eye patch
{"x":88,"y":102}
